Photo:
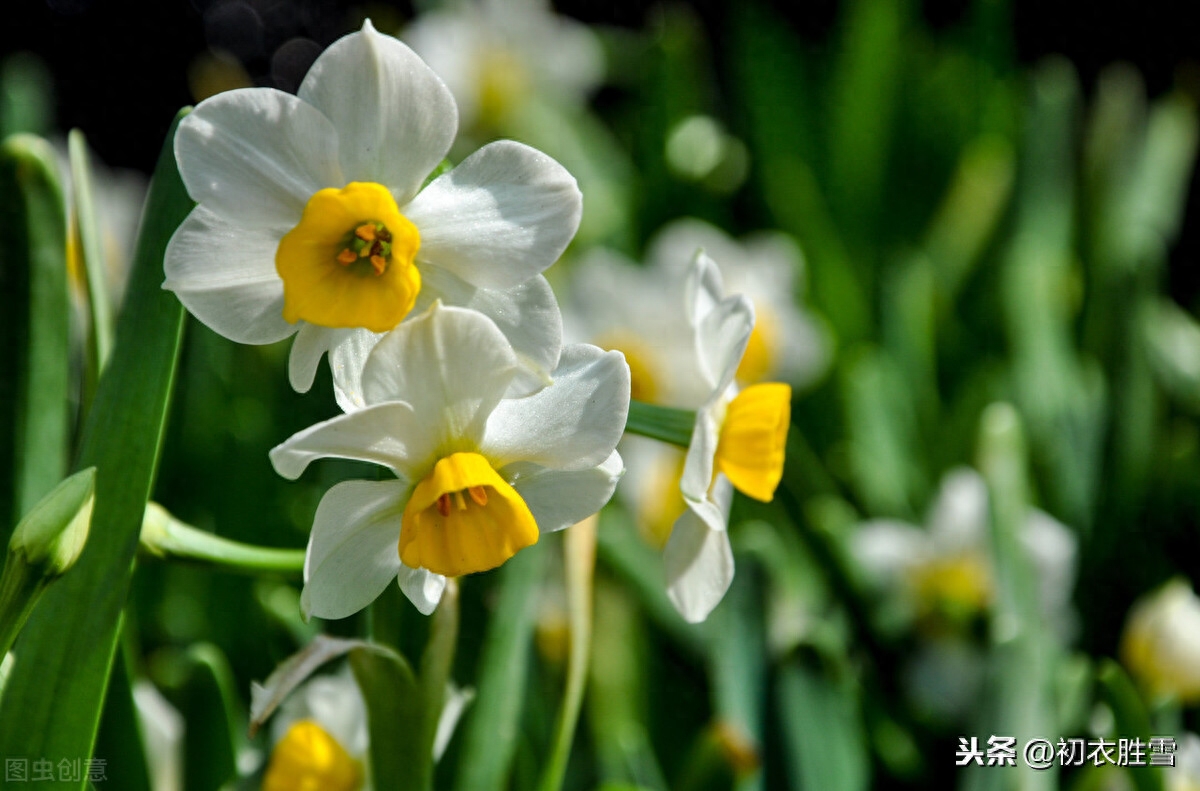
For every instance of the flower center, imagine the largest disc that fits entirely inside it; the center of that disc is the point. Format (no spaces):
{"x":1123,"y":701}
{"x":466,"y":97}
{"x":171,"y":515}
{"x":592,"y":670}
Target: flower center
{"x":463,"y":517}
{"x":349,"y":261}
{"x":958,"y":585}
{"x":751,"y":447}
{"x":307,"y":758}
{"x":503,"y":81}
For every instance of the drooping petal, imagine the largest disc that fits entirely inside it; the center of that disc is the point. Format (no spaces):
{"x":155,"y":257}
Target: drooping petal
{"x":390,"y":434}
{"x":574,"y":423}
{"x":698,"y":559}
{"x":721,"y":338}
{"x":527,"y":314}
{"x":352,"y":553}
{"x":452,"y":365}
{"x":502,"y":216}
{"x":395,"y":119}
{"x":225,"y":276}
{"x":559,"y":499}
{"x":347,"y":357}
{"x":422,"y":587}
{"x":311,"y":342}
{"x":256,"y":155}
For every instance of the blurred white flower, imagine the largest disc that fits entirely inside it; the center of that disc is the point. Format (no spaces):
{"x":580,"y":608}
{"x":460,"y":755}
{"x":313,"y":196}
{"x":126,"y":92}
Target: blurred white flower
{"x":313,"y":219}
{"x":1185,"y":775}
{"x":162,"y":728}
{"x":477,"y":477}
{"x":946,"y":569}
{"x":320,"y":738}
{"x":495,"y":54}
{"x":1161,"y":642}
{"x":788,"y":343}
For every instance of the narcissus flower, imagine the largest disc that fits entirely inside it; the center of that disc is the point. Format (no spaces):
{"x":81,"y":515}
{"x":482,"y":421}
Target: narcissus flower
{"x":314,"y":217}
{"x":478,"y":477}
{"x":738,"y":442}
{"x":320,"y":739}
{"x":1161,"y":642}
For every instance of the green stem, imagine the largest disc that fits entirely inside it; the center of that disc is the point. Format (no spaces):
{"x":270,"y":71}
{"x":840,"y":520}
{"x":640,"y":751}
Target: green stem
{"x":662,"y":423}
{"x":165,"y":537}
{"x":437,"y":662}
{"x":579,"y":550}
{"x":19,"y":592}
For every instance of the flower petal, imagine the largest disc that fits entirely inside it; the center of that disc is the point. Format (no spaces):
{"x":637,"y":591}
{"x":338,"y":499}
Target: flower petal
{"x":348,"y":355}
{"x":502,"y":216}
{"x":701,"y":455}
{"x":698,"y":559}
{"x":390,"y":434}
{"x":225,"y":276}
{"x":352,"y":554}
{"x":395,"y":118}
{"x":959,"y":518}
{"x":560,"y":499}
{"x":721,"y":338}
{"x":574,"y":423}
{"x":311,"y":342}
{"x":422,"y":587}
{"x":888,"y":549}
{"x":256,"y":155}
{"x":527,"y":314}
{"x":451,"y":364}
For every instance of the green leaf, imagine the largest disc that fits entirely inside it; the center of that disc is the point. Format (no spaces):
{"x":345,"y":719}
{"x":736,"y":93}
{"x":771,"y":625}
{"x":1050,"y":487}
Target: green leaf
{"x":34,"y":352}
{"x":579,"y":563}
{"x":394,"y":713}
{"x":53,"y":701}
{"x":437,"y":661}
{"x":89,"y":257}
{"x":490,"y":727}
{"x":822,"y":731}
{"x":215,"y":720}
{"x":663,"y":423}
{"x":1130,"y":716}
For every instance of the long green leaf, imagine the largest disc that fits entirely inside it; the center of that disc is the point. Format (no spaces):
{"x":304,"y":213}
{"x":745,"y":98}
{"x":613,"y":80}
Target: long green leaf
{"x":394,"y":708}
{"x":89,"y":256}
{"x":822,"y":731}
{"x":490,"y":728}
{"x":34,"y":331}
{"x":53,"y":701}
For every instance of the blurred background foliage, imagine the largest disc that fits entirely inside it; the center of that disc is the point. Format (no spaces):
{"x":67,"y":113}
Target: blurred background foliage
{"x":997,"y":212}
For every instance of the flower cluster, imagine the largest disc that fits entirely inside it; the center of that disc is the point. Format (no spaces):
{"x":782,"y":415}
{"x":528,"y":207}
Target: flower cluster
{"x":317,"y":217}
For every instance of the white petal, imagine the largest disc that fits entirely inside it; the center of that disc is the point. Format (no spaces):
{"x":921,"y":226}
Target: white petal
{"x":502,"y":216}
{"x":959,"y":519}
{"x":721,"y":338}
{"x":703,"y":287}
{"x":675,"y":246}
{"x":527,"y":314}
{"x":225,"y":276}
{"x":395,"y":118}
{"x":422,"y":587}
{"x":449,"y":42}
{"x":336,"y":704}
{"x":574,"y":423}
{"x":698,"y":559}
{"x":887,"y":549}
{"x":560,"y":499}
{"x":311,"y":342}
{"x":452,"y":365}
{"x":347,"y":358}
{"x":1053,"y":549}
{"x":701,"y":454}
{"x":256,"y":155}
{"x":354,"y":550}
{"x":390,"y":434}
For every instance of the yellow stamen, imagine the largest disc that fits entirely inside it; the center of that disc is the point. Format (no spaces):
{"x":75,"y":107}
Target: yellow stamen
{"x":323,"y":285}
{"x":643,"y":386}
{"x":307,"y":758}
{"x":751,"y":447}
{"x":482,"y":530}
{"x":957,"y":584}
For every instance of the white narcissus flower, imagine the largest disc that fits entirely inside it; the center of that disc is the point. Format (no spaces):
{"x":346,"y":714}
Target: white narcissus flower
{"x":312,"y":218}
{"x":1161,"y":642}
{"x":320,"y":738}
{"x":948,"y":569}
{"x":738,"y":442}
{"x":788,"y":343}
{"x":495,"y":54}
{"x":478,"y":477}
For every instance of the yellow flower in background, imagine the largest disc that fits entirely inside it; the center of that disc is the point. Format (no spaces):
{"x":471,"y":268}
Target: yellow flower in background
{"x":314,"y":217}
{"x":320,"y":738}
{"x":1161,"y":642}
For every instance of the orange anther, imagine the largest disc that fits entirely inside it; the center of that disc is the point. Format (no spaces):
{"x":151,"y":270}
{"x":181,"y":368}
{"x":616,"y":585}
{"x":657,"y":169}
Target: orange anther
{"x":379,"y":264}
{"x":347,"y":257}
{"x":365,"y":232}
{"x":443,"y":504}
{"x":478,"y":494}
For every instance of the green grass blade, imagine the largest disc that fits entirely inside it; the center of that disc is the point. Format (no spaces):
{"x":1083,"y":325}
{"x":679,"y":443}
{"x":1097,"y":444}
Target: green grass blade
{"x":53,"y":701}
{"x":489,"y":738}
{"x":89,"y":255}
{"x":822,"y":731}
{"x":394,"y":713}
{"x":34,"y":332}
